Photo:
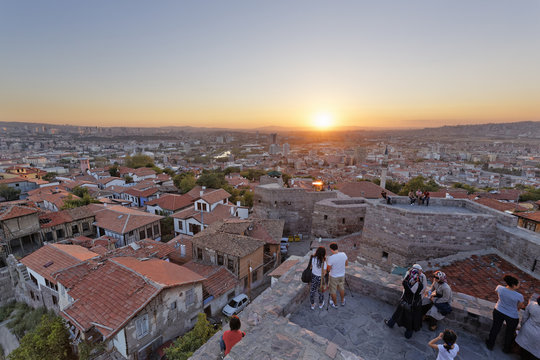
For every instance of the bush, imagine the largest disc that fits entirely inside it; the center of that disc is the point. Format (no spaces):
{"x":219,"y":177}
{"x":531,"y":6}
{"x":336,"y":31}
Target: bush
{"x":6,"y":310}
{"x":25,"y":319}
{"x":186,"y":345}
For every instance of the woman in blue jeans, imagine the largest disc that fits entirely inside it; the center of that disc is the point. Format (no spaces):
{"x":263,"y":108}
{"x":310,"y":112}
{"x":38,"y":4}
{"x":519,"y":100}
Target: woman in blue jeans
{"x":506,"y":310}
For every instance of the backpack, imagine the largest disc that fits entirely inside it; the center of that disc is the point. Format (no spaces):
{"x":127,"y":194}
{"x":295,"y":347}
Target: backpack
{"x":306,"y":274}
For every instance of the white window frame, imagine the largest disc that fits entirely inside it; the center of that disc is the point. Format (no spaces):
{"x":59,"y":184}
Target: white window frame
{"x":141,"y":325}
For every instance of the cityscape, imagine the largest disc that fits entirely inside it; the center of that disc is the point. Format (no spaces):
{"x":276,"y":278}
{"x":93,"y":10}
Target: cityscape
{"x":259,"y":181}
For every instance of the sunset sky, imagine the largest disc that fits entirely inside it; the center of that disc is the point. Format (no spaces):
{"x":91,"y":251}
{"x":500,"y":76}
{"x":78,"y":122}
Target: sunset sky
{"x":247,"y":64}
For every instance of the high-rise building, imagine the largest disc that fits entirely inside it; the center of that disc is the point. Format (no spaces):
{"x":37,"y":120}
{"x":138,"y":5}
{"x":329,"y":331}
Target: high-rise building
{"x":286,"y":149}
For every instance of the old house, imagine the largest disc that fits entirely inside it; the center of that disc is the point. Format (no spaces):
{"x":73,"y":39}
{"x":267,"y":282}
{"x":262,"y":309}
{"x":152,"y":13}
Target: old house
{"x":21,"y":184}
{"x":133,"y":305}
{"x":19,"y":230}
{"x":529,"y":220}
{"x":57,"y":226}
{"x":242,"y":255}
{"x":140,"y":196}
{"x":38,"y":286}
{"x":125,"y":224}
{"x":168,"y":204}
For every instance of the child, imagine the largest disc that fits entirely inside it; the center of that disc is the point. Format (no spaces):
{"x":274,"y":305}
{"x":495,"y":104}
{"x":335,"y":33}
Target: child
{"x":231,"y":337}
{"x":450,"y":349}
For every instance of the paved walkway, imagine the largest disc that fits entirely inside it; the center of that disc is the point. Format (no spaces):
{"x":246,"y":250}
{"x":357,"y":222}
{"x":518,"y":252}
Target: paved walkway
{"x":359,"y":328}
{"x":435,"y":209}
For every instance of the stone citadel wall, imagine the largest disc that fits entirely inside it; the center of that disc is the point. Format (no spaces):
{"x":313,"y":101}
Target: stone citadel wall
{"x":295,"y":206}
{"x":336,"y":217}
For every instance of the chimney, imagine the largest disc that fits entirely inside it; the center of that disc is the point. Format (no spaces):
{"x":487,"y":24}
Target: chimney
{"x":183,"y":250}
{"x":201,"y":193}
{"x":238,"y":203}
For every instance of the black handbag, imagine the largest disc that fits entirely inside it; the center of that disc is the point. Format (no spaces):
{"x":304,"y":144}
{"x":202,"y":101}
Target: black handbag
{"x":405,"y":305}
{"x":306,"y":274}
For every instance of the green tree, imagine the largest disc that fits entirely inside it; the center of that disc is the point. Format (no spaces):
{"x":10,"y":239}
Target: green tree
{"x":80,"y":191}
{"x":186,"y":345}
{"x":419,"y":182}
{"x":169,"y":172}
{"x":139,"y":160}
{"x":50,"y":176}
{"x":185,"y":182}
{"x":48,"y":341}
{"x":128,"y":179}
{"x":532,"y":194}
{"x":393,"y":186}
{"x":231,"y":169}
{"x":113,"y":170}
{"x":470,"y":189}
{"x":212,"y":179}
{"x":167,"y":228}
{"x":253,"y":174}
{"x":9,"y":193}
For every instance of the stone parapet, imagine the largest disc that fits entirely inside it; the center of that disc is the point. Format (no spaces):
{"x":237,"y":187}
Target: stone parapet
{"x":337,"y":217}
{"x":520,"y":245}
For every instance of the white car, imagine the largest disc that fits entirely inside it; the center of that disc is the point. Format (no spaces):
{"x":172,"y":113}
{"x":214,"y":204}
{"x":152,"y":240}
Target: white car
{"x":237,"y":304}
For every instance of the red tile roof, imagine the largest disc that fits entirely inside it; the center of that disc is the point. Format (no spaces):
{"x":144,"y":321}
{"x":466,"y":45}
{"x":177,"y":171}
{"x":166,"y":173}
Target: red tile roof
{"x":213,"y":197}
{"x":141,"y":193}
{"x":535,"y":215}
{"x":479,"y":275}
{"x":365,"y":189}
{"x":176,"y":256}
{"x":55,"y":257}
{"x":14,"y":211}
{"x":218,"y":280}
{"x":163,"y":273}
{"x":106,"y":296}
{"x":144,"y":248}
{"x":120,"y":219}
{"x":13,"y":180}
{"x":501,"y":206}
{"x":172,"y":202}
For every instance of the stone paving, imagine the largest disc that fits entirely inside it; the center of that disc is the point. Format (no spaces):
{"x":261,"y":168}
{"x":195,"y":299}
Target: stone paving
{"x":358,"y":327}
{"x":435,"y":209}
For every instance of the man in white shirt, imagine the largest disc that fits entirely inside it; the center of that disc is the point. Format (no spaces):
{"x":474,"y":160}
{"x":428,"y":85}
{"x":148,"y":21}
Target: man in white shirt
{"x":336,"y":267}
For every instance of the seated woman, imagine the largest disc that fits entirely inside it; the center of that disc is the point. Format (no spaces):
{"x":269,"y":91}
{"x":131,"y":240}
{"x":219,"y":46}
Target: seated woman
{"x":441,"y":297}
{"x":233,"y":336}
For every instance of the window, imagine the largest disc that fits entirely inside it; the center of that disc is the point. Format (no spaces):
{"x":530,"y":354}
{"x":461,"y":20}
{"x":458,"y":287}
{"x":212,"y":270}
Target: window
{"x":34,"y":280}
{"x":85,"y":227}
{"x":74,"y":229}
{"x":343,"y":220}
{"x":156,"y":230}
{"x":49,"y":236}
{"x":54,"y":300}
{"x":180,"y":225}
{"x":230,"y":265}
{"x":384,"y":255}
{"x":199,"y":253}
{"x":173,"y":305}
{"x":130,"y":233}
{"x":190,"y":297}
{"x":361,"y":219}
{"x":149,"y":232}
{"x":220,"y":259}
{"x":142,"y":234}
{"x":254,"y":276}
{"x":325,"y":217}
{"x":194,"y":228}
{"x":59,"y":234}
{"x":32,"y":295}
{"x":142,"y":326}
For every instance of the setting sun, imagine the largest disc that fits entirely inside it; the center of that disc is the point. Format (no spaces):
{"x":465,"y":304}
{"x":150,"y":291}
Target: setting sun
{"x":323,"y":121}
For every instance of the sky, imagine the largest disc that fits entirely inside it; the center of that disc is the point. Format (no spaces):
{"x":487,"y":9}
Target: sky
{"x":248,"y":64}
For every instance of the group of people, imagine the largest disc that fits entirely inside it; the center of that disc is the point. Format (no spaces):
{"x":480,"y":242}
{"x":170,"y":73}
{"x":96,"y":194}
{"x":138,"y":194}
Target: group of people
{"x":328,"y":273}
{"x":507,"y":311}
{"x":419,"y":197}
{"x":418,"y":303}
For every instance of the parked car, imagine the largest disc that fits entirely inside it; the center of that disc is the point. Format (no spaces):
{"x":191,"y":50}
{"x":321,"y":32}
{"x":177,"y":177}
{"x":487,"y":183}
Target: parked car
{"x":237,"y":304}
{"x":284,"y":245}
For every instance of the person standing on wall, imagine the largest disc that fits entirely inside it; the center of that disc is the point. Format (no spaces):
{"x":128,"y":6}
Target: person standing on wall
{"x":506,"y":310}
{"x":336,"y":267}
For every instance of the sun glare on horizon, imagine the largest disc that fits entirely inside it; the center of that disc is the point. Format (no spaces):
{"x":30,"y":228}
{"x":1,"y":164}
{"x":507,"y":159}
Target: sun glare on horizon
{"x":323,"y":121}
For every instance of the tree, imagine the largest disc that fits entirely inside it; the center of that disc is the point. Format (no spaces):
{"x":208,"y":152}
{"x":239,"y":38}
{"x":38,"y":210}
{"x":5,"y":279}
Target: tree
{"x":231,"y":169}
{"x":393,"y":186}
{"x":113,"y":170}
{"x":80,"y":191}
{"x":212,"y":179}
{"x":139,"y":160}
{"x":49,"y":176}
{"x":167,"y":228}
{"x":419,"y":182}
{"x":48,"y":341}
{"x":9,"y":193}
{"x":185,"y":181}
{"x":186,"y":345}
{"x":169,"y":171}
{"x":128,"y":179}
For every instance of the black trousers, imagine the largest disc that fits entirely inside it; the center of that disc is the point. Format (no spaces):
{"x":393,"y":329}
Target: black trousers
{"x":511,"y":325}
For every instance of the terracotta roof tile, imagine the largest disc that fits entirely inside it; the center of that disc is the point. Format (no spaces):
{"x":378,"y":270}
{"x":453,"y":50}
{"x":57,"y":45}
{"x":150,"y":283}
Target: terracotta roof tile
{"x":120,"y":219}
{"x":55,"y":257}
{"x":479,"y":275}
{"x":500,"y":206}
{"x":14,"y":211}
{"x":535,"y":215}
{"x":236,"y":245}
{"x":365,"y":189}
{"x":161,"y":272}
{"x":213,"y":197}
{"x":172,"y":202}
{"x":218,"y":280}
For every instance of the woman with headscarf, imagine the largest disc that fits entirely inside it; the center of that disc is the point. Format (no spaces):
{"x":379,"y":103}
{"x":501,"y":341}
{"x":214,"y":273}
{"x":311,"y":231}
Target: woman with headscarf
{"x":440,"y":295}
{"x":529,"y":335}
{"x":409,"y":311}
